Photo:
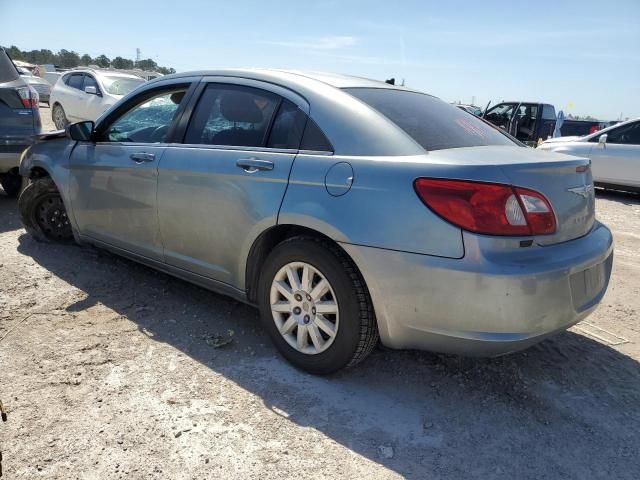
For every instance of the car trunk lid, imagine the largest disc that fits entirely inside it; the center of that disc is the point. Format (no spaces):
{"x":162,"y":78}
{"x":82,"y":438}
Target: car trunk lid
{"x":565,"y":181}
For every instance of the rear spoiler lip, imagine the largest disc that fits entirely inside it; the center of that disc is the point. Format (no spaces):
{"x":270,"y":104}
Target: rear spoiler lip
{"x":51,"y":135}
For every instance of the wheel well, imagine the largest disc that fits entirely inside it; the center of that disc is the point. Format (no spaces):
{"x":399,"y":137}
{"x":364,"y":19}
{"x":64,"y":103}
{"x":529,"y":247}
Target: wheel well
{"x":265,"y":243}
{"x":38,"y":172}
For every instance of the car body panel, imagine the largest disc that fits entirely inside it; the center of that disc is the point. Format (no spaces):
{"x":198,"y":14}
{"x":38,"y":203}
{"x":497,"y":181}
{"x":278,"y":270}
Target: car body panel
{"x":432,"y":284}
{"x":613,"y":164}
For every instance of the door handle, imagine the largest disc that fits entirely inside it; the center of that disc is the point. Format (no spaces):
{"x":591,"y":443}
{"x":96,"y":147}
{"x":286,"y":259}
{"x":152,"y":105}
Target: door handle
{"x":251,"y":165}
{"x":142,"y":157}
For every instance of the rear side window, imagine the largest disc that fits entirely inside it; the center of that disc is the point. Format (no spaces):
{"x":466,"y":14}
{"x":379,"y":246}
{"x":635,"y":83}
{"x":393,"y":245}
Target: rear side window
{"x":75,"y":81}
{"x":288,"y":127}
{"x":232,"y":115}
{"x":548,"y":112}
{"x":314,"y":139}
{"x":432,"y":123}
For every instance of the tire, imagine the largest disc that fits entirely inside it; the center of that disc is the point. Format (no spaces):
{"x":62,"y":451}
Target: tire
{"x":59,"y":117}
{"x":43,"y":213}
{"x":11,"y":183}
{"x":354,"y":328}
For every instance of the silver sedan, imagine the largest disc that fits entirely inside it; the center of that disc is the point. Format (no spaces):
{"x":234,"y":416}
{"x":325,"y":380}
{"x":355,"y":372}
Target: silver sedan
{"x":348,"y":210}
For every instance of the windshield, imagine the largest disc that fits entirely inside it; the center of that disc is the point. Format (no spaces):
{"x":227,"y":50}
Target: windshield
{"x":432,"y":123}
{"x":120,"y":85}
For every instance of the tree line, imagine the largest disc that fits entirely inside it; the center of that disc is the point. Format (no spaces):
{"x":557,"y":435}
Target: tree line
{"x":70,"y":59}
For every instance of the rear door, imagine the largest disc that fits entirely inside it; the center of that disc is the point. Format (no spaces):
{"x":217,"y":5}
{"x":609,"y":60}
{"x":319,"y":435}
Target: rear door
{"x":224,"y":184}
{"x":113,"y":184}
{"x":618,"y":161}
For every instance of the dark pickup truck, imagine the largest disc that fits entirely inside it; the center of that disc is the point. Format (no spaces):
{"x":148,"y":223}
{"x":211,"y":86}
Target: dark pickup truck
{"x":19,"y":122}
{"x":529,"y":121}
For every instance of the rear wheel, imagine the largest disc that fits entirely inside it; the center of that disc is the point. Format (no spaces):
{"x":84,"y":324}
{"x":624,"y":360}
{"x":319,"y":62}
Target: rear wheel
{"x":59,"y":117}
{"x":11,"y":183}
{"x":43,"y":213}
{"x":315,"y":306}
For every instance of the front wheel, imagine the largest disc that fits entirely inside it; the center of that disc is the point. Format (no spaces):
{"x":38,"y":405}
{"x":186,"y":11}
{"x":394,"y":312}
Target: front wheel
{"x":43,"y":213}
{"x":315,"y":306}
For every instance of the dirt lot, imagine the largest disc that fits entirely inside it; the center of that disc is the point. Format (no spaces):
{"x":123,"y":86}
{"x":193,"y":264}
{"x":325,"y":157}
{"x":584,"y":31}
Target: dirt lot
{"x":110,"y":370}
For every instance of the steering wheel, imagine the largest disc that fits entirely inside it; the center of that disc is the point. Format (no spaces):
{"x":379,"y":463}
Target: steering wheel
{"x":157,"y":136}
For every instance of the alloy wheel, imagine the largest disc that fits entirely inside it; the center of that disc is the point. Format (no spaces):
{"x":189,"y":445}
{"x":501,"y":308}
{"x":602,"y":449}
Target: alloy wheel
{"x":304,"y":308}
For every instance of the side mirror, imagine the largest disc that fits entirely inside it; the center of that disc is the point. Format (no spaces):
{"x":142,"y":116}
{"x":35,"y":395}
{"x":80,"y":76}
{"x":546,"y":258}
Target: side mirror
{"x":81,"y":131}
{"x":91,"y":90}
{"x":602,"y":140}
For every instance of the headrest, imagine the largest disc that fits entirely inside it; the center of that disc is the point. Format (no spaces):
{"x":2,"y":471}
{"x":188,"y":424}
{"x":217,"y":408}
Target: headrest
{"x":240,"y":107}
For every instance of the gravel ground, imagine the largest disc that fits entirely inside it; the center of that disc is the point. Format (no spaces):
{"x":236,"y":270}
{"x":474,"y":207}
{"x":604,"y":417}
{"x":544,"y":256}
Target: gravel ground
{"x":112,"y":370}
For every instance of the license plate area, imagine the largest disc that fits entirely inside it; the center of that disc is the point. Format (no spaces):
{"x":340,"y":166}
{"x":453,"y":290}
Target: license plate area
{"x":587,"y":286}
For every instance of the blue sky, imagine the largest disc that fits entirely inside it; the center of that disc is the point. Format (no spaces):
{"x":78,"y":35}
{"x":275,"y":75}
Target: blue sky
{"x":582,"y":56}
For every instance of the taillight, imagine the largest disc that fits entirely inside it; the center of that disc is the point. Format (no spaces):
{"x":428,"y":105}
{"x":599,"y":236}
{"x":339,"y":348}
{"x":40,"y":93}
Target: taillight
{"x":488,"y":208}
{"x":28,"y":97}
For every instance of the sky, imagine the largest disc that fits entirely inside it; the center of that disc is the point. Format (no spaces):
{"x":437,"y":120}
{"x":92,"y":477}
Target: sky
{"x":581,"y":56}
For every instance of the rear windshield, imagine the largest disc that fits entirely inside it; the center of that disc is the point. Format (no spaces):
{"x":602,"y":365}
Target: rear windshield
{"x":434,"y":124}
{"x":120,"y":85}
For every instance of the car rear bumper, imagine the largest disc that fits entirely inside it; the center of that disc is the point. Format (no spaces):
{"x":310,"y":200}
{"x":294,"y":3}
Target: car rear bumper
{"x":498,"y":299}
{"x":10,"y":160}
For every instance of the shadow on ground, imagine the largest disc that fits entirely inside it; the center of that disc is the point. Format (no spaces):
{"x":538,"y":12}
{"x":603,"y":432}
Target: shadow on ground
{"x":626,"y":198}
{"x":10,"y":218}
{"x":568,"y":406}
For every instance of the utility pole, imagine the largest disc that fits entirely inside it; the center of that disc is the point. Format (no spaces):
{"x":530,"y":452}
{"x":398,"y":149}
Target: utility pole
{"x":137,"y":56}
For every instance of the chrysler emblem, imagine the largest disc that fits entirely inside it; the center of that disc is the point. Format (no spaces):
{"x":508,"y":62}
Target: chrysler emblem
{"x":583,"y":191}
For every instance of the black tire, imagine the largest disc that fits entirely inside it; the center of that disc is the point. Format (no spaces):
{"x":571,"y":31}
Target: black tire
{"x":11,"y":183}
{"x":59,"y":117}
{"x":357,"y":332}
{"x":39,"y":204}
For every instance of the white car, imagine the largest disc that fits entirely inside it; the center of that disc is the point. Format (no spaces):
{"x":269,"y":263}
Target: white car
{"x":614,"y":154}
{"x":83,"y":94}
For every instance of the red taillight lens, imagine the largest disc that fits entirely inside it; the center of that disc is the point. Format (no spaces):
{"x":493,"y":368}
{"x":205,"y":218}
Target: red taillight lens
{"x":488,"y":208}
{"x":28,"y":97}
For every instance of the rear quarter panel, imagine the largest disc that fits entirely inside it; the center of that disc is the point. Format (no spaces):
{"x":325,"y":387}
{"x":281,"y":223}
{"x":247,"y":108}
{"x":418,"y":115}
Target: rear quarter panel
{"x":380,"y":210}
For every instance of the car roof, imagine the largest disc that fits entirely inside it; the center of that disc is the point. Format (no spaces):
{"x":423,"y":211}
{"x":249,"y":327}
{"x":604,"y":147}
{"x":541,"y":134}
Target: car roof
{"x":605,"y":130}
{"x":290,"y":77}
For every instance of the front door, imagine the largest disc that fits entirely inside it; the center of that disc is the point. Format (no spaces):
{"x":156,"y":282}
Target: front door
{"x":225,"y":184}
{"x":618,"y":160}
{"x":113,"y":183}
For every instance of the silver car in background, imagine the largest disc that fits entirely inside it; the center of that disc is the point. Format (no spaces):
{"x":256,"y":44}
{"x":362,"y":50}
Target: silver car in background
{"x":346,"y":209}
{"x":614,"y":153}
{"x":40,"y":85}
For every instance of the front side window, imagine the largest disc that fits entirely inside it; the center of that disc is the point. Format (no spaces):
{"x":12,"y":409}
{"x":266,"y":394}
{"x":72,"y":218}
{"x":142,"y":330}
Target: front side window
{"x":626,"y":135}
{"x":500,"y":115}
{"x":232,"y":115}
{"x":89,"y":81}
{"x":116,"y":85}
{"x":431,"y":122}
{"x":75,"y":81}
{"x":148,"y":121}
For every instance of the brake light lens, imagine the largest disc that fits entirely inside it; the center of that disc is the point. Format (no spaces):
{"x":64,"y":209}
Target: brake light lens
{"x":488,"y":208}
{"x":28,"y":97}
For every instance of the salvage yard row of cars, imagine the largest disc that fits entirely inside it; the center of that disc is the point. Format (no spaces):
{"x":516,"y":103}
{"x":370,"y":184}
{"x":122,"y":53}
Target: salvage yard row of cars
{"x":349,"y":211}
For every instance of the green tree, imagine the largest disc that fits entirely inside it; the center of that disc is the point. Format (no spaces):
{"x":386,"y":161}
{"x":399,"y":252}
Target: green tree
{"x":86,"y":60}
{"x":147,"y":64}
{"x":165,"y":70}
{"x":68,"y":59}
{"x":15,"y":53}
{"x":102,"y":61}
{"x":122,"y":63}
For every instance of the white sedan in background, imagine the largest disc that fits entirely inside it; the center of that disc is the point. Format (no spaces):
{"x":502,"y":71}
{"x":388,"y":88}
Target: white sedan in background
{"x":614,"y":154}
